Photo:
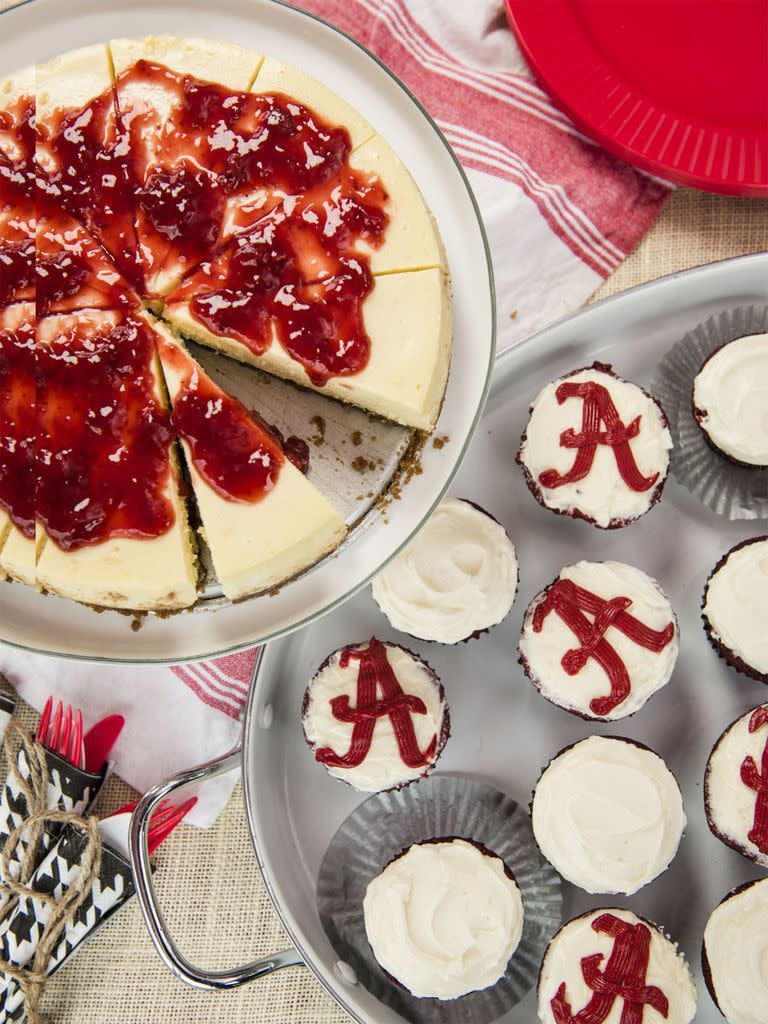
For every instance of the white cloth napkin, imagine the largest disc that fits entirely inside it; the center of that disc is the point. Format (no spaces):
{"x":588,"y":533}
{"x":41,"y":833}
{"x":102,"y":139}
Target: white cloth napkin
{"x":561,"y":214}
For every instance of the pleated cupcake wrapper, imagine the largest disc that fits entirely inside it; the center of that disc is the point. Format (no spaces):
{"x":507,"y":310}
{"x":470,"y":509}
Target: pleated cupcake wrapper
{"x":386,"y":824}
{"x":69,"y":789}
{"x":21,"y":932}
{"x":736,"y":492}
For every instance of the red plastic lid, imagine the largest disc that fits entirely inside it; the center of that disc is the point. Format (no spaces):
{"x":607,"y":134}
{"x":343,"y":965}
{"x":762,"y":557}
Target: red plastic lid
{"x":677,"y":87}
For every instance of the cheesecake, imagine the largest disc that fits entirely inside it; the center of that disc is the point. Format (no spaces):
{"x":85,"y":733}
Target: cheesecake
{"x":264,"y":522}
{"x":195,"y":189}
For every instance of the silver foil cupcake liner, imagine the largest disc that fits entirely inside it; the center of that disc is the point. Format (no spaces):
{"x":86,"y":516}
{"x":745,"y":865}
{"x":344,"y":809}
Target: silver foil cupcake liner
{"x":736,"y":492}
{"x":385,"y":825}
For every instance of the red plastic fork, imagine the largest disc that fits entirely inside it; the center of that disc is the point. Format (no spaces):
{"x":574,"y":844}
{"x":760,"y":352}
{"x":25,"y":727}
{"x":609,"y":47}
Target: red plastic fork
{"x":58,"y":735}
{"x":164,"y":820}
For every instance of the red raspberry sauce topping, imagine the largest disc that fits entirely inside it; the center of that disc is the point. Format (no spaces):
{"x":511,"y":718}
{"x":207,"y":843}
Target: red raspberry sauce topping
{"x":232,"y":452}
{"x":103,"y":436}
{"x":18,"y":421}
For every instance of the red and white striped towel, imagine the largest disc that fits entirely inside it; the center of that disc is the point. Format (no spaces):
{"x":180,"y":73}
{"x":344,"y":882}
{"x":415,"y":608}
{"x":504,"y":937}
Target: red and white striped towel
{"x":561,"y":214}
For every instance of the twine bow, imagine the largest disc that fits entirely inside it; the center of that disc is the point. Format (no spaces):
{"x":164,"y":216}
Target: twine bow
{"x":26,"y":839}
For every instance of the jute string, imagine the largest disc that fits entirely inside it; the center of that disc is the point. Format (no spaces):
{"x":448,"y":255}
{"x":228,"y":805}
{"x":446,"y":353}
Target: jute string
{"x":32,"y":977}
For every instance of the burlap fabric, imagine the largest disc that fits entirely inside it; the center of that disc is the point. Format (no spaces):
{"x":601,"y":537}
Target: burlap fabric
{"x":208,"y":881}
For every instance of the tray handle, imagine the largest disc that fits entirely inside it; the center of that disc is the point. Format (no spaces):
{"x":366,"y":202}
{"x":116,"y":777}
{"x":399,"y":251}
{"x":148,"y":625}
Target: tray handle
{"x":197,"y":977}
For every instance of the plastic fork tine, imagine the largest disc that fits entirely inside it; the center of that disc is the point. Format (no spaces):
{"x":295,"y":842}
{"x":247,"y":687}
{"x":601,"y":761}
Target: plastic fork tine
{"x":159,"y":832}
{"x":76,"y":746}
{"x":45,"y":718}
{"x":164,"y":805}
{"x":53,"y":737}
{"x":66,"y":730}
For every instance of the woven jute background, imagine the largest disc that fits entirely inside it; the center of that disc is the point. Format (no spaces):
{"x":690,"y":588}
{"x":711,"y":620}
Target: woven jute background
{"x":209,"y":885}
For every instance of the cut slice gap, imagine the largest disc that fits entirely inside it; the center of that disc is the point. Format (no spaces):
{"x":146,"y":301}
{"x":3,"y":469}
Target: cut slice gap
{"x":5,"y":527}
{"x":152,"y":573}
{"x":407,"y":317}
{"x":254,"y":545}
{"x":81,"y":151}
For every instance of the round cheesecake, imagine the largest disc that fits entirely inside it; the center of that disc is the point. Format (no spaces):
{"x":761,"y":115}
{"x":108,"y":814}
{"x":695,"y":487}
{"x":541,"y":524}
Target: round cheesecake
{"x":457,"y":578}
{"x":608,"y":815}
{"x":252,"y":210}
{"x":735,"y":954}
{"x":596,"y":448}
{"x":736,"y":786}
{"x":599,"y":640}
{"x":730,"y":400}
{"x":444,"y":918}
{"x":736,"y":608}
{"x":616,"y":950}
{"x":375,"y":716}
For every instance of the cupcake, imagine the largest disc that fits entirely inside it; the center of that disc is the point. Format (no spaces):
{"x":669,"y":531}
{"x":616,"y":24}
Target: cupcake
{"x":736,"y":608}
{"x":736,"y":786}
{"x":375,"y":716}
{"x":607,"y":813}
{"x":730,"y":400}
{"x":735,"y":954}
{"x":609,"y":965}
{"x":444,"y":918}
{"x":456,"y":579}
{"x":596,"y":448}
{"x":599,"y":640}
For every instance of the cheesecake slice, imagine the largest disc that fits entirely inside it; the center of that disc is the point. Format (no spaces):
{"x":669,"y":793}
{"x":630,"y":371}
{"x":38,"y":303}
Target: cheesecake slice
{"x":109,"y":496}
{"x":17,"y":188}
{"x":82,"y":150}
{"x":73,"y":270}
{"x":404,"y":331}
{"x":183,"y":103}
{"x":17,"y":440}
{"x":262,"y":520}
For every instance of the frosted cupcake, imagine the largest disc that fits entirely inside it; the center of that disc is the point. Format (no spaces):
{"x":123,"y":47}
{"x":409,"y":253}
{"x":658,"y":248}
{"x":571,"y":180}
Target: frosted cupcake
{"x":736,"y":786}
{"x":600,"y":640}
{"x":444,"y":918}
{"x":607,"y":813}
{"x":375,"y":716}
{"x":730,"y":400}
{"x":735,"y":954}
{"x":596,"y":448}
{"x":736,"y":608}
{"x":456,"y":579}
{"x":611,"y":965}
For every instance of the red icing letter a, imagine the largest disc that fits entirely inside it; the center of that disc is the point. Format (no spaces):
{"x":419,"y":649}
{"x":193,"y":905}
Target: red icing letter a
{"x":758,"y":780}
{"x":375,"y":671}
{"x":598,"y":408}
{"x":623,"y":978}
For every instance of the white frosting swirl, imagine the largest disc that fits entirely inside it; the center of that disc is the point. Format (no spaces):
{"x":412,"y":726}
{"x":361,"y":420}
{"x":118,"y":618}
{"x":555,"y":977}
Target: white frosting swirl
{"x":648,"y":670}
{"x":457,"y":576}
{"x":736,"y":603}
{"x":602,"y":495}
{"x":730,"y":801}
{"x":667,"y":970}
{"x":444,"y":919}
{"x":736,"y":945}
{"x":731,"y":390}
{"x":383,"y":767}
{"x":608,"y":815}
